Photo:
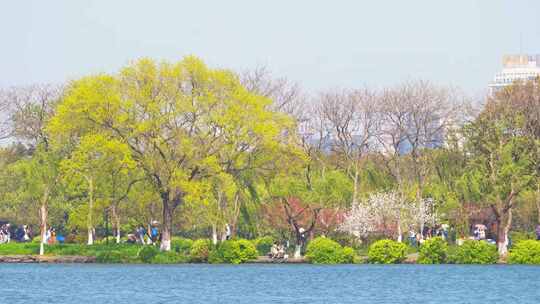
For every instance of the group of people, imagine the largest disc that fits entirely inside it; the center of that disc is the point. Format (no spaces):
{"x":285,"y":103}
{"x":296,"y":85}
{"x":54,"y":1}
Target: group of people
{"x":416,"y":238}
{"x":278,"y":251}
{"x":22,"y":234}
{"x":51,"y":237}
{"x":145,"y":236}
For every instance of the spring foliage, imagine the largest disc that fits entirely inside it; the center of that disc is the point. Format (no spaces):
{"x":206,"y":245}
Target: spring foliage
{"x":387,"y":252}
{"x":433,"y":251}
{"x":323,"y":250}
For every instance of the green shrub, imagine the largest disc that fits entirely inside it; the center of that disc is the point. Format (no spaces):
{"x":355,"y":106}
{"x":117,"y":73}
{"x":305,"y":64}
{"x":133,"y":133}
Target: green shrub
{"x":147,"y":253}
{"x":169,"y":257}
{"x":215,"y":255}
{"x":475,"y":252}
{"x":433,"y":251}
{"x":233,"y":252}
{"x":525,"y":252}
{"x":112,"y":256}
{"x":387,"y":252}
{"x":518,"y":236}
{"x":200,"y":250}
{"x":181,"y":245}
{"x":349,"y":255}
{"x":263,"y":244}
{"x":323,"y":250}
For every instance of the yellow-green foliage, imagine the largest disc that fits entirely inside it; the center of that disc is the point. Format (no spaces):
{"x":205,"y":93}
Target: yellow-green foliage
{"x":433,"y":251}
{"x":387,"y":252}
{"x":475,"y":252}
{"x":183,"y":124}
{"x":323,"y":250}
{"x":200,"y":250}
{"x":525,"y":252}
{"x":233,"y":252}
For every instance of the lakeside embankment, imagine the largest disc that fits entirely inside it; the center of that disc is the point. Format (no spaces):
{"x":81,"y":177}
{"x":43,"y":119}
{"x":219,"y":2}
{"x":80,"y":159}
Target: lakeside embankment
{"x":318,"y":251}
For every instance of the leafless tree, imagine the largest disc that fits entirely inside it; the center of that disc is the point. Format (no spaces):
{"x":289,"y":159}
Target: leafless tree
{"x":286,"y":96}
{"x":351,"y":119}
{"x":25,"y":111}
{"x":416,"y":116}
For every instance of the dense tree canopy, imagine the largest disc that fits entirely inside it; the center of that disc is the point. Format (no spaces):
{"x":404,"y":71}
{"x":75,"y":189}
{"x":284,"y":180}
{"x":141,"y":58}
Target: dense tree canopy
{"x":209,"y":153}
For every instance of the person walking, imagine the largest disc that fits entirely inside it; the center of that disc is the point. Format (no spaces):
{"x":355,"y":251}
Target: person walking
{"x":538,"y":232}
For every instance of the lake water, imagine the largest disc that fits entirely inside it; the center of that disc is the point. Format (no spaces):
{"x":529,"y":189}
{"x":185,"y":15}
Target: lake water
{"x":94,"y":283}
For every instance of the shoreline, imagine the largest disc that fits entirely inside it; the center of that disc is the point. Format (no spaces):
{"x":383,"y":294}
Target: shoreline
{"x":52,"y":259}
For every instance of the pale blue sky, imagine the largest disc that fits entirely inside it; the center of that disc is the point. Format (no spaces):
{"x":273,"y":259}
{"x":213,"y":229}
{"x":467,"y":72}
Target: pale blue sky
{"x":320,"y":44}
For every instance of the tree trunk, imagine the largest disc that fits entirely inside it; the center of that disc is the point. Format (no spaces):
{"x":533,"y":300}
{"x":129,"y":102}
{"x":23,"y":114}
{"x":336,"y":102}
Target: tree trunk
{"x":297,"y":251}
{"x":399,"y":232}
{"x":116,"y":223}
{"x":503,"y":227}
{"x":502,"y":239}
{"x":538,"y":202}
{"x":214,"y":234}
{"x":299,"y":245}
{"x":355,"y":189}
{"x":90,"y":236}
{"x":43,"y":214}
{"x":90,"y":209}
{"x":167,"y":226}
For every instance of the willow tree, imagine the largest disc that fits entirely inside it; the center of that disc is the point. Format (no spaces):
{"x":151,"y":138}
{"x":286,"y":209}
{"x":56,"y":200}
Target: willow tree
{"x":37,"y":179}
{"x":95,"y":164}
{"x":37,"y":175}
{"x":182,"y":122}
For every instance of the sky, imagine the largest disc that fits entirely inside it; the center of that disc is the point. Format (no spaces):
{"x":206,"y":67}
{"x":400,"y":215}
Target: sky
{"x":319,"y":44}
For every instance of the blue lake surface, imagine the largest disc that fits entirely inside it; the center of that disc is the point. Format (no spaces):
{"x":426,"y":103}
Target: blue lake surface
{"x":95,"y":283}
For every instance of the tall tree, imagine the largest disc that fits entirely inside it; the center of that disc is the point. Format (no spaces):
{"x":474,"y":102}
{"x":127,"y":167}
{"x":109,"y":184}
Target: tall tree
{"x":182,"y":122}
{"x":501,"y":165}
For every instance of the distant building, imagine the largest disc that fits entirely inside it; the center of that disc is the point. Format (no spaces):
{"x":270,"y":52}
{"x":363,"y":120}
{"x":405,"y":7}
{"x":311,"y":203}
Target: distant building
{"x":516,"y":68}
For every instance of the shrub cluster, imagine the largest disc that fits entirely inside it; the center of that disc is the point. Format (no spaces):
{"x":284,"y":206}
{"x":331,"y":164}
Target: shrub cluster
{"x":233,"y":252}
{"x":387,"y":252}
{"x":433,"y":251}
{"x":181,"y":245}
{"x":263,"y":244}
{"x":475,"y":252}
{"x":518,"y":236}
{"x":525,"y":252}
{"x":200,"y":250}
{"x":322,"y":250}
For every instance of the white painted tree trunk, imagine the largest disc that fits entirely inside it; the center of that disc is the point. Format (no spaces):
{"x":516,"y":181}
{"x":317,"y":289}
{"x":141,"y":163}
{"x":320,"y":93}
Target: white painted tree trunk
{"x":165,"y":245}
{"x":502,"y":245}
{"x":118,"y":234}
{"x":400,"y":233}
{"x":43,"y":214}
{"x":90,"y":236}
{"x":214,"y":235}
{"x":90,"y":209}
{"x":297,"y":251}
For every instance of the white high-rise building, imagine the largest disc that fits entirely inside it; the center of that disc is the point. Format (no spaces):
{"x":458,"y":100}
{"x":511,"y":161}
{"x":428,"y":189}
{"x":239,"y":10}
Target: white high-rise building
{"x":516,"y":68}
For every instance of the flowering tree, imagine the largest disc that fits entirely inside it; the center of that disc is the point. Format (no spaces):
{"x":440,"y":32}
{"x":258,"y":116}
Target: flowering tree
{"x":386,"y":213}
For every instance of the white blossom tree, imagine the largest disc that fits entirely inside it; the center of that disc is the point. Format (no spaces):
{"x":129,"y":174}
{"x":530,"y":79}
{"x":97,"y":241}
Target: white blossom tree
{"x":387,"y":213}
